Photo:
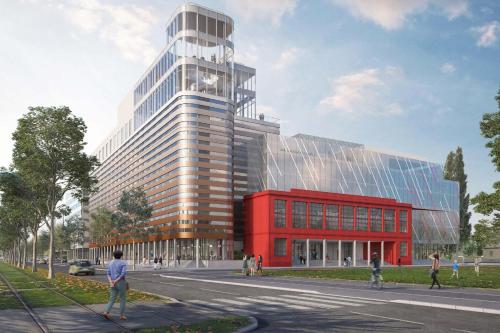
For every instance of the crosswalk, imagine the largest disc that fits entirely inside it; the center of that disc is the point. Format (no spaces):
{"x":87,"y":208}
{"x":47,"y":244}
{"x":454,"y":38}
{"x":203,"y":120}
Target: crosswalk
{"x":302,"y":302}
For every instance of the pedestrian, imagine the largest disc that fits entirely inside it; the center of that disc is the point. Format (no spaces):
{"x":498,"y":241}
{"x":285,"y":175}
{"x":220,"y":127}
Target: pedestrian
{"x":96,"y":261}
{"x":435,"y":270}
{"x":244,"y":268}
{"x":178,"y":259}
{"x":345,"y":262}
{"x":160,"y":261}
{"x":477,"y":261}
{"x":117,"y":271}
{"x":455,"y":269}
{"x":155,"y":263}
{"x":349,"y":261}
{"x":252,"y":265}
{"x":399,"y":262}
{"x":259,"y":265}
{"x":144,"y":260}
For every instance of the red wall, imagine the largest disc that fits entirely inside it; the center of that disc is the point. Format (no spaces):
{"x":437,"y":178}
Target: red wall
{"x":260,"y":231}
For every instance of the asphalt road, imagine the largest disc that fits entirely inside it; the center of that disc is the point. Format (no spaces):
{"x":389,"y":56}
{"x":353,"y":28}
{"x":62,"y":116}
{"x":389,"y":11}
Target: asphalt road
{"x":302,"y":305}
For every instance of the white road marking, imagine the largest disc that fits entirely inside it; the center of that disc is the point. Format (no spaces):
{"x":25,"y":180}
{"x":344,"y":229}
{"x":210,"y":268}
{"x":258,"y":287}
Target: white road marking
{"x":241,"y":284}
{"x":377,"y":316}
{"x":160,"y":282}
{"x":330,"y":301}
{"x":239,"y":303}
{"x":457,"y":330}
{"x":219,"y":291}
{"x":221,"y":306}
{"x":257,"y":300}
{"x":447,"y":306}
{"x":348,"y":298}
{"x":293,"y":301}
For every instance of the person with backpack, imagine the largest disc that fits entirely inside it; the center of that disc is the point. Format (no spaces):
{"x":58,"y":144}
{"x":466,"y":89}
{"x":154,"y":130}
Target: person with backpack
{"x":117,"y":271}
{"x":160,"y":261}
{"x":155,"y":263}
{"x":435,"y":270}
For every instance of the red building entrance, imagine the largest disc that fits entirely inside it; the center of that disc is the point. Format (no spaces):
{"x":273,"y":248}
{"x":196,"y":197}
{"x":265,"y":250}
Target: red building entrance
{"x":311,"y":228}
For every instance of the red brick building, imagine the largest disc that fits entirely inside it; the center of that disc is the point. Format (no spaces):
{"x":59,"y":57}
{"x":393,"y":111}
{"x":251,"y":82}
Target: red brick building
{"x":311,"y":228}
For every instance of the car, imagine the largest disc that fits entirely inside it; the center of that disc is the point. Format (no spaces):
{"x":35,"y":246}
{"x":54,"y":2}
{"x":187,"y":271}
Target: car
{"x":81,"y":267}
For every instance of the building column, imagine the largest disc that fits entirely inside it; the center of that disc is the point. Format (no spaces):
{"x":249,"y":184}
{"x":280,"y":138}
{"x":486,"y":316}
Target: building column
{"x":382,"y":253}
{"x":223,"y":249}
{"x":307,"y":253}
{"x":154,"y":249}
{"x":368,"y":255}
{"x":168,"y":258}
{"x":354,"y":253}
{"x":197,"y":244}
{"x":339,"y":253}
{"x":149,"y":251}
{"x":175,"y":253}
{"x":324,"y":252}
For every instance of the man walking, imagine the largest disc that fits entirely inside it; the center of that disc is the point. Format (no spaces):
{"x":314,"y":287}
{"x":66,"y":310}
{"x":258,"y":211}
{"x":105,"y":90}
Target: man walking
{"x":117,"y":271}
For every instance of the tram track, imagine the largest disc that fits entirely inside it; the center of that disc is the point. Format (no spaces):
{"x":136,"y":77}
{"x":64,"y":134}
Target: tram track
{"x":39,"y":323}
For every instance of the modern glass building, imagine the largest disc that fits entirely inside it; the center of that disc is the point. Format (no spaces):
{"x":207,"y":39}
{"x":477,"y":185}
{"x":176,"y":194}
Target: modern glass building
{"x":327,"y":165}
{"x":176,"y":138}
{"x":190,"y":135}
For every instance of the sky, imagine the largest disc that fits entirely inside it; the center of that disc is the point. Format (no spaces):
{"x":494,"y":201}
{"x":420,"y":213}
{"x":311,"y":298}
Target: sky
{"x":412,"y":76}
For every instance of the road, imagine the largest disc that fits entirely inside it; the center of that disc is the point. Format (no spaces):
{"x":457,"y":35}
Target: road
{"x":303,"y":305}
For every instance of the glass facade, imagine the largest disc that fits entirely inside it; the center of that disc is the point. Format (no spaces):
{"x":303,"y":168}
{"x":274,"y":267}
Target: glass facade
{"x":322,"y":164}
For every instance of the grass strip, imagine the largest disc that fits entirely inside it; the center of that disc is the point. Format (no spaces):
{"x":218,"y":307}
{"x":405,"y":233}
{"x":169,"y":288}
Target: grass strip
{"x":84,"y":291}
{"x":489,"y":276}
{"x":219,"y":325}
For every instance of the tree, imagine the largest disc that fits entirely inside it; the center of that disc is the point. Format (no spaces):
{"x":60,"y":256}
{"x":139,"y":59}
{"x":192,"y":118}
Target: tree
{"x":133,"y":211}
{"x":454,"y":169}
{"x":489,"y":203}
{"x":101,"y":226}
{"x":48,"y":154}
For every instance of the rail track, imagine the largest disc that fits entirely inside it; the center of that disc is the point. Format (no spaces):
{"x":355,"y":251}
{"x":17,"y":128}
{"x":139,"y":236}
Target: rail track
{"x":38,"y":322}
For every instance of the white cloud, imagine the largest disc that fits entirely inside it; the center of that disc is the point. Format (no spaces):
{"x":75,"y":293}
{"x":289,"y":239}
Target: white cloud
{"x":392,"y":14}
{"x":248,"y":55}
{"x":448,"y":68}
{"x":128,"y":27}
{"x":273,"y":10}
{"x":271,"y":114}
{"x":487,"y":34}
{"x":287,"y":57}
{"x":365,"y":92}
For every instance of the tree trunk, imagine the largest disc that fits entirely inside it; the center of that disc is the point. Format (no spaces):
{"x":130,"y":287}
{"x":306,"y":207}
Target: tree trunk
{"x":35,"y":238}
{"x":18,"y":259}
{"x":24,"y":253}
{"x":51,"y":274}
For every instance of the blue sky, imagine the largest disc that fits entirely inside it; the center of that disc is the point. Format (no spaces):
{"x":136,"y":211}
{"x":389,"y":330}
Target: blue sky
{"x":411,"y":76}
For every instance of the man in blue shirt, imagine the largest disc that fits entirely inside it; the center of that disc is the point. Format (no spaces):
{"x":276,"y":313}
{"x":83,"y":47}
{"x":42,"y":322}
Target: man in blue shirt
{"x":117,"y":271}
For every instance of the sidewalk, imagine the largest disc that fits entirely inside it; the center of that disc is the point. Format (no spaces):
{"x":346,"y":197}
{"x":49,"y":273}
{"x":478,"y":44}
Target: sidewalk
{"x":75,"y":319}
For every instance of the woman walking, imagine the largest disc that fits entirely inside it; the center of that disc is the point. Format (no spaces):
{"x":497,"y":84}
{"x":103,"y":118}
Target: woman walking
{"x":117,"y":271}
{"x":252,"y":265}
{"x":435,"y":270}
{"x":244,"y":269}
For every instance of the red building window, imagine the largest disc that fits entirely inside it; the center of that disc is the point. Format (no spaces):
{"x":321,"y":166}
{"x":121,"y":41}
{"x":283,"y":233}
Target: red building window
{"x":347,"y":218}
{"x":362,"y":219}
{"x":316,"y":216}
{"x":403,"y":221}
{"x":280,"y":247}
{"x":280,"y":213}
{"x":389,"y":220}
{"x":376,"y":219}
{"x":332,"y":217}
{"x":299,"y":214}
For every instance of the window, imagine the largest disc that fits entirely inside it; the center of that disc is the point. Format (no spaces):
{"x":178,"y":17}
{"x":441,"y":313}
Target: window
{"x":220,"y":29}
{"x":202,"y":23}
{"x":280,"y":213}
{"x":376,"y":219}
{"x":362,"y":219}
{"x":280,"y":247}
{"x":332,"y":217}
{"x":191,"y":21}
{"x":316,"y":216}
{"x":211,"y":26}
{"x":299,"y":214}
{"x":389,"y":220}
{"x":403,"y":221}
{"x":347,"y":218}
{"x":402,"y":249}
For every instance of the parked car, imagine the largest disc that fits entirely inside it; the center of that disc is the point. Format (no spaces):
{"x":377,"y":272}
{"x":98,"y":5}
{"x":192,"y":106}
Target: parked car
{"x":41,"y":261}
{"x":81,"y":267}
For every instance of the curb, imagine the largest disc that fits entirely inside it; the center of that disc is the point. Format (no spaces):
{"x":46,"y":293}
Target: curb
{"x":250,"y":327}
{"x":166,"y":298}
